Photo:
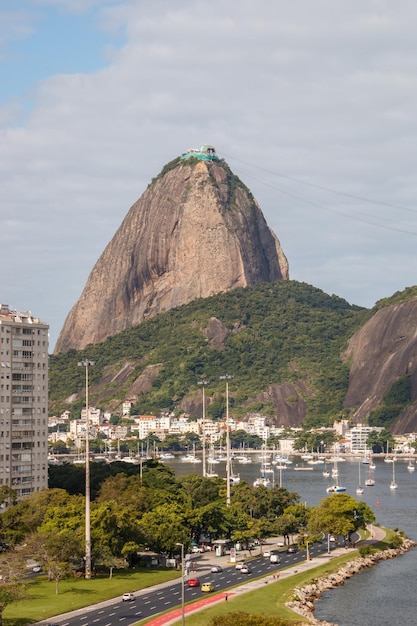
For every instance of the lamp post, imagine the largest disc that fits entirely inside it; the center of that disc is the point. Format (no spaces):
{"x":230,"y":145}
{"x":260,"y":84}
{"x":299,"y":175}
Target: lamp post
{"x":87,"y":574}
{"x":203,"y":383}
{"x":227,"y":377}
{"x":182,"y":583}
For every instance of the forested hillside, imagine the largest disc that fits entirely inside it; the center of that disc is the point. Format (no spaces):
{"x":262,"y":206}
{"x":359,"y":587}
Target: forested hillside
{"x":264,"y":336}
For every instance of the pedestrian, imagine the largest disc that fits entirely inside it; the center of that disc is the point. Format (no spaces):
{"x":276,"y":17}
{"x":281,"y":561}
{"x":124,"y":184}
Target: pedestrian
{"x":226,"y":597}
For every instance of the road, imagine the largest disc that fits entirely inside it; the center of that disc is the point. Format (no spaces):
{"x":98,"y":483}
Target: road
{"x":161,"y":598}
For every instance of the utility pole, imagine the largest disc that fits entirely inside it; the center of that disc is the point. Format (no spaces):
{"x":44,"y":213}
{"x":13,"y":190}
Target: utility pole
{"x":87,"y":573}
{"x":203,"y":383}
{"x":227,"y":377}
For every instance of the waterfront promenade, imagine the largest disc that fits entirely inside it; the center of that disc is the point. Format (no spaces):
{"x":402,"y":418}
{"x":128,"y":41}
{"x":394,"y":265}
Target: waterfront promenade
{"x":173,"y":617}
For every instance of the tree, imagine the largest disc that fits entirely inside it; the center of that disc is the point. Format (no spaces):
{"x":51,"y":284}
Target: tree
{"x":12,"y":572}
{"x":9,"y":593}
{"x":164,"y":527}
{"x":287,"y":525}
{"x":57,"y":551}
{"x":339,"y":514}
{"x":7,"y":495}
{"x":112,"y":526}
{"x":108,"y":559}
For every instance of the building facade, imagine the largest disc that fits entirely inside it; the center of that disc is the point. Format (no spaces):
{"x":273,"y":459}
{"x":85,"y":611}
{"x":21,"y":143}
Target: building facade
{"x":23,"y":402}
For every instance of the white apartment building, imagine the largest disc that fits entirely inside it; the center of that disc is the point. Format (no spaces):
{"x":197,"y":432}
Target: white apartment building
{"x":23,"y":402}
{"x":95,"y":416}
{"x":357,"y":437}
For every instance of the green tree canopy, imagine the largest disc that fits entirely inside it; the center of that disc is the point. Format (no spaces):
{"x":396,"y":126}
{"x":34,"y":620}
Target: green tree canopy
{"x":339,"y":514}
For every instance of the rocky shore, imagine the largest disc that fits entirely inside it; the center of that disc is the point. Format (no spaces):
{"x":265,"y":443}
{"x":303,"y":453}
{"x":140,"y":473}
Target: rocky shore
{"x":304,"y":598}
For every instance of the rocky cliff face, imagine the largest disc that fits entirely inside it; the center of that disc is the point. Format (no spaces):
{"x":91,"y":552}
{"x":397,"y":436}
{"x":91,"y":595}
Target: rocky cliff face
{"x":382,"y":351}
{"x":195,"y":232}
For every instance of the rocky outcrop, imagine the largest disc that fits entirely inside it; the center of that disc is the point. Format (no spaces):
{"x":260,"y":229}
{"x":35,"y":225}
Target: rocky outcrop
{"x":382,"y":351}
{"x":195,"y":232}
{"x":304,"y":598}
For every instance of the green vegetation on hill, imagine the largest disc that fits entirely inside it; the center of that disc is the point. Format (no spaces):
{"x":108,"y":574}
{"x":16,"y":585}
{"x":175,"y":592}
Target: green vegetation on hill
{"x":397,"y":298}
{"x":278,"y":332}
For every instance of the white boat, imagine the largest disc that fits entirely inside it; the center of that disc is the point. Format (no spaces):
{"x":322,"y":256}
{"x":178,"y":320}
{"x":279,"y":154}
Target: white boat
{"x":411,"y":467}
{"x":244,"y":460}
{"x":359,"y":488}
{"x":262,"y":481}
{"x":326,"y":472}
{"x":335,"y":489}
{"x":130,"y":459}
{"x":190,"y":458}
{"x":335,"y":469}
{"x":303,"y":468}
{"x":370,"y":480}
{"x":393,"y":483}
{"x":166,"y":455}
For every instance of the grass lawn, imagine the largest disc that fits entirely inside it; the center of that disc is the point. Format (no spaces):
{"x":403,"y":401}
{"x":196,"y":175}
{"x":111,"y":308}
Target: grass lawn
{"x":74,"y":593}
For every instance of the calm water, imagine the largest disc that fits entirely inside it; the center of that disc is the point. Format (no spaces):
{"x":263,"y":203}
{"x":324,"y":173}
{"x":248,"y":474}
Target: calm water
{"x":386,"y":594}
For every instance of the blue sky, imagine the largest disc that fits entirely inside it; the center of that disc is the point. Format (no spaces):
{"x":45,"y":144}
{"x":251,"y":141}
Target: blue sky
{"x":312,"y":104}
{"x":39,"y":39}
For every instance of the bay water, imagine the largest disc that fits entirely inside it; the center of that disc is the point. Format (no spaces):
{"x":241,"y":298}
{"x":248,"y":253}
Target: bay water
{"x":384,"y":595}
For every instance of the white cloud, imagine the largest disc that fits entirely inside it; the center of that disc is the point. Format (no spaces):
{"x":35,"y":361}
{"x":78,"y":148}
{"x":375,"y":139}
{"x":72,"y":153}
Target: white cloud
{"x":290,"y":93}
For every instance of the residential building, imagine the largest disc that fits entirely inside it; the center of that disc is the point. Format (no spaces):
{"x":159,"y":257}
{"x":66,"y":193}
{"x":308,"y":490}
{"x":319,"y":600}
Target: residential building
{"x":23,"y":402}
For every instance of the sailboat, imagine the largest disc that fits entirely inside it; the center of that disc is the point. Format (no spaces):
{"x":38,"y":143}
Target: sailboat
{"x":370,"y":480}
{"x":190,"y":458}
{"x":263,"y":479}
{"x":326,"y":472}
{"x":365,"y":459}
{"x":411,"y":467}
{"x":393,"y":483}
{"x":336,"y":488}
{"x":359,"y":488}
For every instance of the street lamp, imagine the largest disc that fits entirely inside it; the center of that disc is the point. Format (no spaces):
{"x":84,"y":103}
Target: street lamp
{"x":204,"y":383}
{"x":227,"y":377}
{"x":182,"y":584}
{"x":87,"y":574}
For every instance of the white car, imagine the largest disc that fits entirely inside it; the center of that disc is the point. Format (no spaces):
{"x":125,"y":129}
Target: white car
{"x":239,"y":565}
{"x":128,"y":597}
{"x":216,"y":569}
{"x":267,"y":553}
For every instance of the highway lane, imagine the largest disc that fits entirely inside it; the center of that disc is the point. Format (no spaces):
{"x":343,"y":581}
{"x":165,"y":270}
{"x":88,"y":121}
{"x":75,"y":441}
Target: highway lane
{"x":150,"y":602}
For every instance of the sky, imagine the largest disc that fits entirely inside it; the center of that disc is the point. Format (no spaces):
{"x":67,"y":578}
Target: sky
{"x":313,"y":104}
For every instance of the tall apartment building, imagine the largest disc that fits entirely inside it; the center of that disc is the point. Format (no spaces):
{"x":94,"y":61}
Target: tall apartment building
{"x":23,"y":402}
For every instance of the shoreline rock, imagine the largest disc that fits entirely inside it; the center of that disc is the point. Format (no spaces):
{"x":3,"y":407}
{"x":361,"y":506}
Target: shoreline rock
{"x":305,"y":598}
